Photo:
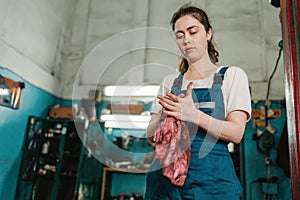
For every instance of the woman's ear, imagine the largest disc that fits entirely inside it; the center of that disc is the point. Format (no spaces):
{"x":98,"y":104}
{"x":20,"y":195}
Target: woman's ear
{"x":209,"y":34}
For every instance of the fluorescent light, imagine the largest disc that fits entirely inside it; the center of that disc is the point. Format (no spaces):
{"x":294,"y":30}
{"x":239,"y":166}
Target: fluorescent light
{"x":126,"y":125}
{"x":147,"y":90}
{"x":126,"y":118}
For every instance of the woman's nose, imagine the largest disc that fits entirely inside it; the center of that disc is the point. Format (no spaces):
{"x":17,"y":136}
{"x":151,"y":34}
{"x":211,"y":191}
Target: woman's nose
{"x":187,"y":38}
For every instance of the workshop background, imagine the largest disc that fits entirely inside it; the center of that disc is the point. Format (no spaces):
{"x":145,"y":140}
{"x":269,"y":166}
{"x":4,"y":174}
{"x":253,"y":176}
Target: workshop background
{"x":54,"y":92}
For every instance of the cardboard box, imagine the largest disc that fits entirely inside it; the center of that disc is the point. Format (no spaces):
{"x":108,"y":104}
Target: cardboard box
{"x":61,"y":112}
{"x":126,"y":108}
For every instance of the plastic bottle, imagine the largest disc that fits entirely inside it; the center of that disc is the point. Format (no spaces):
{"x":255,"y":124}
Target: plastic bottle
{"x":132,"y":197}
{"x":45,"y":147}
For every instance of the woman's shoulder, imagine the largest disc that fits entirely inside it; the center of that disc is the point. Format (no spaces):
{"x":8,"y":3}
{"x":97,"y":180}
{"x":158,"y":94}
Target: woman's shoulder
{"x":235,"y":71}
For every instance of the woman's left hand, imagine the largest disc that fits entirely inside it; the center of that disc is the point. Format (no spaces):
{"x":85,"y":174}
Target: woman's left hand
{"x":181,"y":107}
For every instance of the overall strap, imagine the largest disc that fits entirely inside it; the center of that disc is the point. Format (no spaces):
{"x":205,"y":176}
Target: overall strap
{"x":218,"y":81}
{"x":177,"y":84}
{"x":219,"y":77}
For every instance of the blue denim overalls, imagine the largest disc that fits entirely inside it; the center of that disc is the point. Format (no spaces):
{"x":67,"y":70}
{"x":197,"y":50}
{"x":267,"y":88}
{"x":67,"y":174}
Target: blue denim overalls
{"x":211,"y":174}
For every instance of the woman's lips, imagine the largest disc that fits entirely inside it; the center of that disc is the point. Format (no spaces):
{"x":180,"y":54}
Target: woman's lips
{"x":189,"y":49}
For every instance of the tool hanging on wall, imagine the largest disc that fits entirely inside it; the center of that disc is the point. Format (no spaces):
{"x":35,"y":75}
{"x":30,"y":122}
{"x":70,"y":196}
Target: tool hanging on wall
{"x":10,"y":92}
{"x":264,"y":138}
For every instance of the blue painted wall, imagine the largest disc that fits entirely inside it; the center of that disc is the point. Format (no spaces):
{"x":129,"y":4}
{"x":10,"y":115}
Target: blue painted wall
{"x":13,"y":122}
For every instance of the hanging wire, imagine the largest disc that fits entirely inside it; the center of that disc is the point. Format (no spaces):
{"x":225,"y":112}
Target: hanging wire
{"x":275,"y":68}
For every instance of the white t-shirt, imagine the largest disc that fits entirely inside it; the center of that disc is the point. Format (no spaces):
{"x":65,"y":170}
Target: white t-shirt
{"x":235,"y":90}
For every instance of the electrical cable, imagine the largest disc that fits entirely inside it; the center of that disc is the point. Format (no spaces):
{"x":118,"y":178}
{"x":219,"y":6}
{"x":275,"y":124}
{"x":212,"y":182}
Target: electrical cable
{"x":275,"y":68}
{"x":280,"y":44}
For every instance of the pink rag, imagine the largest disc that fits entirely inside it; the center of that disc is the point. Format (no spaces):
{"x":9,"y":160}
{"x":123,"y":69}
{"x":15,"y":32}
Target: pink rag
{"x":173,"y":148}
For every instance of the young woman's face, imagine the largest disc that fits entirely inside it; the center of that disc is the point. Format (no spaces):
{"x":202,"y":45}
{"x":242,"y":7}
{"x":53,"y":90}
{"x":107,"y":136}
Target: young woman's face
{"x":191,"y":37}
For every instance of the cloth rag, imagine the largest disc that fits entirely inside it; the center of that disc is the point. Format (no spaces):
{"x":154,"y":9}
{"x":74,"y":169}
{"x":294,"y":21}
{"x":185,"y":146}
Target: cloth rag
{"x":173,"y":148}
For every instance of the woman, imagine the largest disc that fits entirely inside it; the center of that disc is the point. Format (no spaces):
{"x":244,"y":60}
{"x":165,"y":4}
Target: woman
{"x":214,"y":99}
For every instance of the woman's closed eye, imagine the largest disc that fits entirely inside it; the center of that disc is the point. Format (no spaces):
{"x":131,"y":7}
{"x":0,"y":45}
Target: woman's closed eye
{"x":179,"y":35}
{"x":193,"y":32}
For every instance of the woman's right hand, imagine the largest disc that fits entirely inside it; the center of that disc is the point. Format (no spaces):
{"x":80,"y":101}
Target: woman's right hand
{"x":181,"y":107}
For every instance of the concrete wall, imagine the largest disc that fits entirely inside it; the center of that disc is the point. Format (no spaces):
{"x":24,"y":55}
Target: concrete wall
{"x":34,"y":37}
{"x":46,"y":42}
{"x":111,"y":50}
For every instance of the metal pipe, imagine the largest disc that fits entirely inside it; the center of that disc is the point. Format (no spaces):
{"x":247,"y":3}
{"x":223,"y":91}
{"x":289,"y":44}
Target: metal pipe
{"x":290,"y":17}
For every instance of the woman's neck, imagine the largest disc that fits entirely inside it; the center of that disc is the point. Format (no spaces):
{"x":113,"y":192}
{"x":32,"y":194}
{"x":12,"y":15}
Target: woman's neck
{"x":200,"y":70}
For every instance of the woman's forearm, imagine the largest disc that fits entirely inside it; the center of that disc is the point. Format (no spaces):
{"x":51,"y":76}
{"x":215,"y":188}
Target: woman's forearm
{"x":231,"y":130}
{"x":152,"y":126}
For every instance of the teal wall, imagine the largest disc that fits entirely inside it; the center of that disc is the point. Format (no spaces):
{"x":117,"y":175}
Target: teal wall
{"x":13,"y":122}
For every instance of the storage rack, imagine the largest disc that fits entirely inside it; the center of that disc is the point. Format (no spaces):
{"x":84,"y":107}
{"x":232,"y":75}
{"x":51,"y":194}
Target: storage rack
{"x":51,"y":160}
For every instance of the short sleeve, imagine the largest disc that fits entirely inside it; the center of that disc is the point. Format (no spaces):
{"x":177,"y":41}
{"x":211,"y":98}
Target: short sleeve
{"x":237,"y":91}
